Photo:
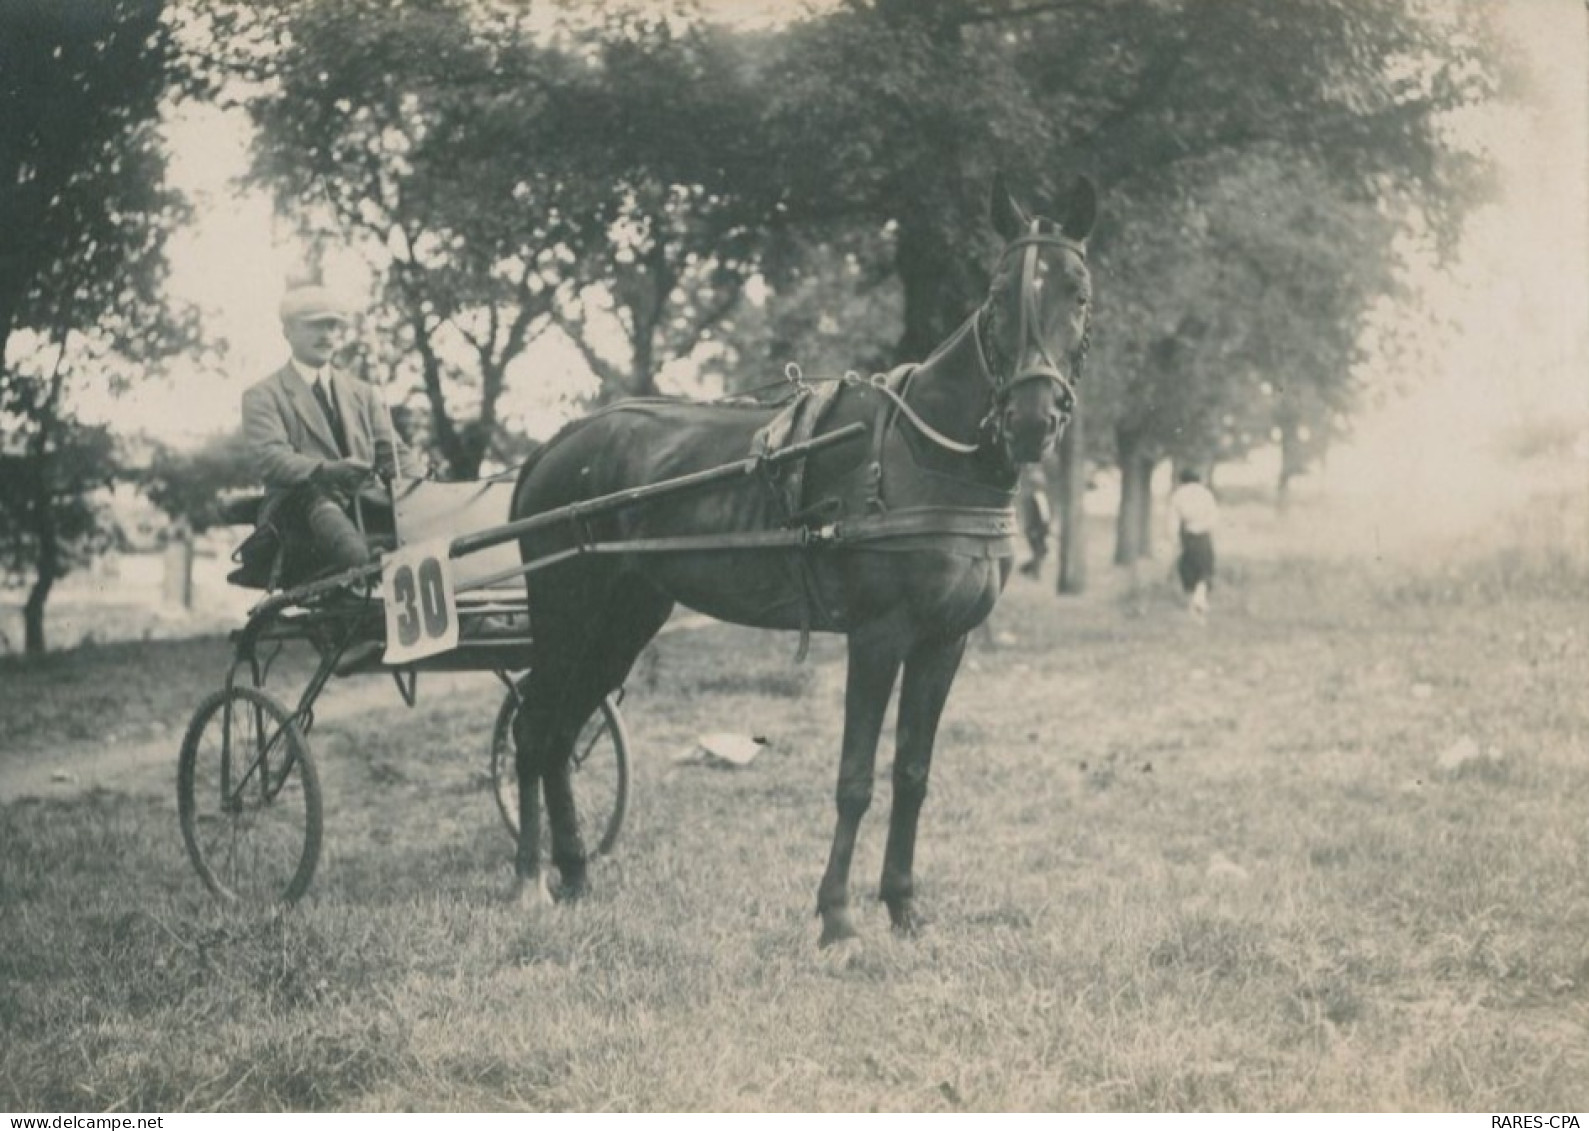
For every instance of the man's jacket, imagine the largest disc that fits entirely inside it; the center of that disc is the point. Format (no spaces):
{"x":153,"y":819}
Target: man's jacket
{"x":288,"y":435}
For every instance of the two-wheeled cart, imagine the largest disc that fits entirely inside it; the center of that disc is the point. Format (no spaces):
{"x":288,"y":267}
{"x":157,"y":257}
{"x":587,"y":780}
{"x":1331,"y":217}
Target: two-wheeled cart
{"x":450,"y":596}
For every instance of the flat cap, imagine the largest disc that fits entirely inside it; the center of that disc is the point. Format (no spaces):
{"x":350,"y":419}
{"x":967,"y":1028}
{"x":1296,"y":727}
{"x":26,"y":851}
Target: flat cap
{"x":313,"y":304}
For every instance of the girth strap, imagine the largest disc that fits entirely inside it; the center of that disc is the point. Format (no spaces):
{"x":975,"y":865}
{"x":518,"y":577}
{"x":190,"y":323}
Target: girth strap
{"x":979,"y":532}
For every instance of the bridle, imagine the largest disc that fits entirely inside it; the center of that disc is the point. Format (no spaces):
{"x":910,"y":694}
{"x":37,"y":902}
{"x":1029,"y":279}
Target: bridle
{"x":991,"y":429}
{"x":1044,"y":368}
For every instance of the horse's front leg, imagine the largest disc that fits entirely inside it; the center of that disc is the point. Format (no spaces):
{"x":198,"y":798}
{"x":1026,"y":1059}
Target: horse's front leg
{"x":875,"y":653}
{"x":930,"y":669}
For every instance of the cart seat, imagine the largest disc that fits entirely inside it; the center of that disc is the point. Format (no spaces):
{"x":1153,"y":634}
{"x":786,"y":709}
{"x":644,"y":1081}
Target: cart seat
{"x":423,"y":509}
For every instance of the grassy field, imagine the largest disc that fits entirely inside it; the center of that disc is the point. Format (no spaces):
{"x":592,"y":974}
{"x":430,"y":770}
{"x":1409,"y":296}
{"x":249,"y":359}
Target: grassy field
{"x":1329,"y":852}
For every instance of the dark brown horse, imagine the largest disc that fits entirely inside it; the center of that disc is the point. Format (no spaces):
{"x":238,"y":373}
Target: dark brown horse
{"x":899,"y":539}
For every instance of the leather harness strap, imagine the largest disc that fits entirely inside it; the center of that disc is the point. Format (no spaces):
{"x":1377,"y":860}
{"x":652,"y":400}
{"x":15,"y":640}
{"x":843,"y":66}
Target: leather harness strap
{"x":973,"y":532}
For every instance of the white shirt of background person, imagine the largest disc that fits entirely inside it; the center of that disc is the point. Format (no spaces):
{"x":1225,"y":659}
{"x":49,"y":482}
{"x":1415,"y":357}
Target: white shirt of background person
{"x":1193,"y":509}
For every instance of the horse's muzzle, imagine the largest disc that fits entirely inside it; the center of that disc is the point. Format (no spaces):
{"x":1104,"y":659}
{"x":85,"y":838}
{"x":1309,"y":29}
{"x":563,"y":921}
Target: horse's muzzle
{"x":1039,"y":407}
{"x":1028,"y":439}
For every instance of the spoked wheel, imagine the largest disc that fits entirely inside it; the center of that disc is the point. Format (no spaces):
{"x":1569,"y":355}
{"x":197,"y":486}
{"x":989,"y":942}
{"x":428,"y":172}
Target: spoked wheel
{"x":600,"y":775}
{"x":248,"y":798}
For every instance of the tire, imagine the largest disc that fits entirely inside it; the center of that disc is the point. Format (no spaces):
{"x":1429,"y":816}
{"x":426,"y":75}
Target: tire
{"x":600,"y":778}
{"x":261,"y":848}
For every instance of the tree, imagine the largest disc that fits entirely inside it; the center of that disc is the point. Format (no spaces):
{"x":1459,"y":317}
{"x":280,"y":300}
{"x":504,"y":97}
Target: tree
{"x":51,"y":468}
{"x":1260,"y":277}
{"x":898,"y":111}
{"x":662,"y":128}
{"x":897,"y":114}
{"x":81,"y":263}
{"x":191,"y":485}
{"x":1180,"y":110}
{"x":829,"y":305}
{"x":382,"y":129}
{"x":503,"y":180}
{"x":635,"y":172}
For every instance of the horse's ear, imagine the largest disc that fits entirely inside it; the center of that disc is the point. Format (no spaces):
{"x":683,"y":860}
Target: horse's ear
{"x":1009,"y":218}
{"x":1081,"y":209}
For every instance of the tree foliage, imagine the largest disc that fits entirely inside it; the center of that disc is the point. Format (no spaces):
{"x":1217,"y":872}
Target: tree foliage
{"x":626,"y":176}
{"x":81,"y":257}
{"x":503,"y":180}
{"x":190,"y":484}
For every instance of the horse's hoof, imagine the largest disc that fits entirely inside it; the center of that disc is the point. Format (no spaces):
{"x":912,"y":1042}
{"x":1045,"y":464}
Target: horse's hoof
{"x":907,"y":921}
{"x":530,"y":893}
{"x":572,"y":891}
{"x":837,"y":927}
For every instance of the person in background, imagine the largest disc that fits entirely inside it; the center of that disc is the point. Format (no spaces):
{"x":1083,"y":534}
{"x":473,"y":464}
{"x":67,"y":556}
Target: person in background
{"x":1194,"y":513}
{"x":1036,"y":516}
{"x":313,"y":433}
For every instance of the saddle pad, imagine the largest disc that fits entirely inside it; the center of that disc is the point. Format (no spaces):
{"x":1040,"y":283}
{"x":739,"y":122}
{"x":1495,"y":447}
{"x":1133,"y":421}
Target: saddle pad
{"x":795,"y":424}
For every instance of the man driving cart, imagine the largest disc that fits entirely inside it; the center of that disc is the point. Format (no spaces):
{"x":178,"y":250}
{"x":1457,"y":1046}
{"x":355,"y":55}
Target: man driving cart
{"x":313,"y":433}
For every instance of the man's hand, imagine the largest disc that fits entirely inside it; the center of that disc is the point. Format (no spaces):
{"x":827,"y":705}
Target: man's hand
{"x":345,"y":475}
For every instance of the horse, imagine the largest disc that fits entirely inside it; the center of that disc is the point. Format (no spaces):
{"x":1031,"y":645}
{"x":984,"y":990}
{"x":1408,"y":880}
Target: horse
{"x":902,"y":543}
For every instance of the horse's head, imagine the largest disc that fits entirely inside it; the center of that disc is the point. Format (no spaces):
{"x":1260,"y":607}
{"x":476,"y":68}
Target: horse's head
{"x":1033,"y":328}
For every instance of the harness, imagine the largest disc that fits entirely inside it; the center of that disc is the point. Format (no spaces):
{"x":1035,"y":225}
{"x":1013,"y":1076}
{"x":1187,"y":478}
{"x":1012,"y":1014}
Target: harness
{"x":907,"y":513}
{"x":982,"y":523}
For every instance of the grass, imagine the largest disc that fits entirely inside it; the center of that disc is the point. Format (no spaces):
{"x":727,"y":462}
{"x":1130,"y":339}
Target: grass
{"x":1167,"y":868}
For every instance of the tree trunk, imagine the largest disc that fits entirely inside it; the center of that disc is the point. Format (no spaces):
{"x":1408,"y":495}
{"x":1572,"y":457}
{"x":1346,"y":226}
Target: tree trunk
{"x":1072,"y":496}
{"x":1145,"y":511}
{"x":938,"y":290}
{"x":33,"y":617}
{"x":49,"y":568}
{"x":643,"y":374}
{"x":1136,"y":474}
{"x":1291,"y":461}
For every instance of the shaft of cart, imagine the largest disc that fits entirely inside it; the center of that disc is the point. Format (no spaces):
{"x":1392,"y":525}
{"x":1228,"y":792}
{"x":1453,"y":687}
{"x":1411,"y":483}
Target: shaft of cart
{"x":497,"y":535}
{"x":485,"y":539}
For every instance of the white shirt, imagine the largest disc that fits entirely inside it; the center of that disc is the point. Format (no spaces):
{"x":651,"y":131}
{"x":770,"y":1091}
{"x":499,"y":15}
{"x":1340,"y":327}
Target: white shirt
{"x":313,"y":377}
{"x":1193,"y":509}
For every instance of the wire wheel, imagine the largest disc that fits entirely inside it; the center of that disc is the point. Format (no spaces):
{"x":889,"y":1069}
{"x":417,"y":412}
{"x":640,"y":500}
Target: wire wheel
{"x":600,"y":774}
{"x":249,"y":799}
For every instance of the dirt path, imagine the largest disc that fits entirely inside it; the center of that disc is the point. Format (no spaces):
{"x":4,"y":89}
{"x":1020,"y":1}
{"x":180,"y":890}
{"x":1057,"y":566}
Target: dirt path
{"x":148,"y":767}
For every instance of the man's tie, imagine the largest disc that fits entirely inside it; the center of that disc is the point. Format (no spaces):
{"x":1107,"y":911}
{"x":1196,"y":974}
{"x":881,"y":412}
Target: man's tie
{"x":323,"y":395}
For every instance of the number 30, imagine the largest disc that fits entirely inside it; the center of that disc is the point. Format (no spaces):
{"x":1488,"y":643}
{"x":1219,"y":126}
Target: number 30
{"x":423,"y":601}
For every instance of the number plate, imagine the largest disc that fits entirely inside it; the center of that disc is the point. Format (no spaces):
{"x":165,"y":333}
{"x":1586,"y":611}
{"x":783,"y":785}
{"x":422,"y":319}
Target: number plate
{"x":421,"y":607}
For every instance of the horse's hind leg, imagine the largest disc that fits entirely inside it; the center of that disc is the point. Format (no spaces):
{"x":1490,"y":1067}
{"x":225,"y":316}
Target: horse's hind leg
{"x":930,"y":669}
{"x":875,"y":651}
{"x":592,"y":667}
{"x":532,"y":729}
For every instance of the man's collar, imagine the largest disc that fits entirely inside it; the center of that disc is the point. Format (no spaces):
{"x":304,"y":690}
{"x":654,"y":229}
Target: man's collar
{"x":310,"y":376}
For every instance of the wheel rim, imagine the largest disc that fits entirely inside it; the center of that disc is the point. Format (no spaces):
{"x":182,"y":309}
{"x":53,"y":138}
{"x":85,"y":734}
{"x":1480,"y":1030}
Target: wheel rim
{"x":249,"y":799}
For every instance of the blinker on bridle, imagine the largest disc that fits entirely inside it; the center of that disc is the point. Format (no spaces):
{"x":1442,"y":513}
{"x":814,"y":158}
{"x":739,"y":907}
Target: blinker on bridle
{"x":1045,"y":368}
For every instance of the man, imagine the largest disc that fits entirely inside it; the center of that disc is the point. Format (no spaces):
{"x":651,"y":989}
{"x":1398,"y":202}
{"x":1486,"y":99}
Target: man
{"x":311,"y":432}
{"x":1035,"y":516}
{"x":1194,"y":513}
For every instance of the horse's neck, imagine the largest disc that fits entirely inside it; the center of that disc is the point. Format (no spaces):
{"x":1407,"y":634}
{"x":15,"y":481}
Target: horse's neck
{"x":951,"y":389}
